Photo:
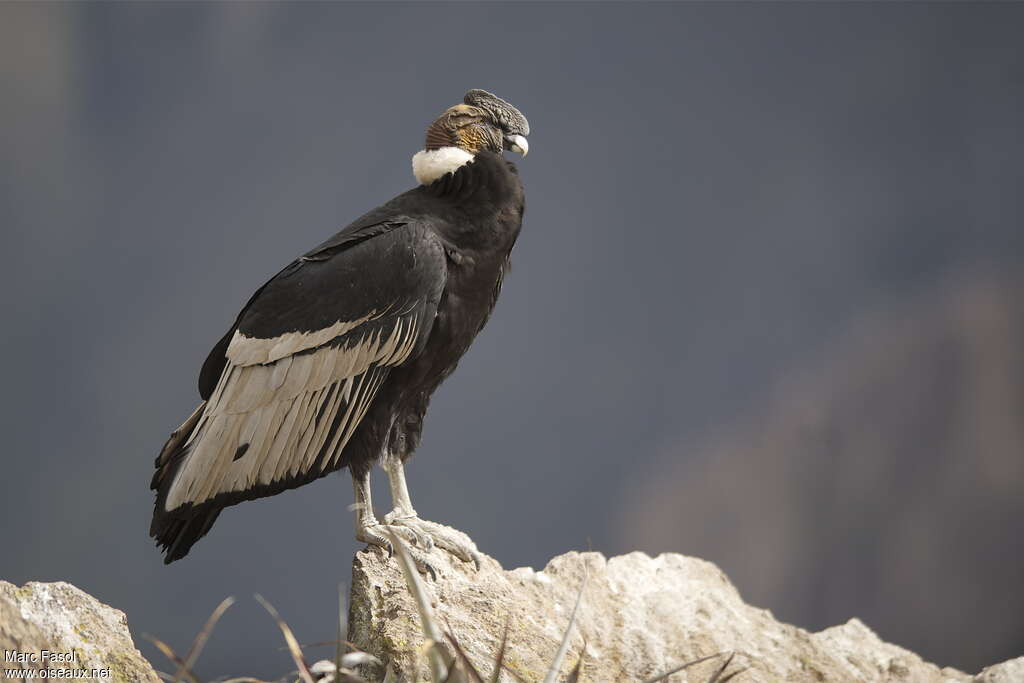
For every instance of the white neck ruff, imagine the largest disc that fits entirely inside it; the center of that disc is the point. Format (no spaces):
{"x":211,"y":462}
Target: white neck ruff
{"x":430,"y":165}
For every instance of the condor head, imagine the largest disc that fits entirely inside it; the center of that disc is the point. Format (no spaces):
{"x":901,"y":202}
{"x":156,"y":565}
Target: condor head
{"x":482,"y":121}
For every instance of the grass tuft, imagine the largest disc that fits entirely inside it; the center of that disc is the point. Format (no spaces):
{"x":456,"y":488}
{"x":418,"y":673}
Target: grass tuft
{"x":289,"y":638}
{"x":184,"y":666}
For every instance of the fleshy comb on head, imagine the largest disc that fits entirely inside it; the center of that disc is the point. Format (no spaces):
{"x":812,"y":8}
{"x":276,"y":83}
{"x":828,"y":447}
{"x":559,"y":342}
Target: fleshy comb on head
{"x":507,"y":116}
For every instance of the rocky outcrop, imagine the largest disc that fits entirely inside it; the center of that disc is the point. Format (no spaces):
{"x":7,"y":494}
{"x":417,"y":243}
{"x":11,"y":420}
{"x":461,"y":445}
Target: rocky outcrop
{"x":873,"y":478}
{"x":58,"y":627}
{"x":639,"y":616}
{"x":1007,"y":672}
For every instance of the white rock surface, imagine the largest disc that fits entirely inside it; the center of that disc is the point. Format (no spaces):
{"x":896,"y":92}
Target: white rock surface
{"x":640,"y":616}
{"x":60,"y":618}
{"x":1007,"y":672}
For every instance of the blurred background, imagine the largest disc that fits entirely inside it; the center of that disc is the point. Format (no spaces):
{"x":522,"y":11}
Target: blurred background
{"x":767,"y":307}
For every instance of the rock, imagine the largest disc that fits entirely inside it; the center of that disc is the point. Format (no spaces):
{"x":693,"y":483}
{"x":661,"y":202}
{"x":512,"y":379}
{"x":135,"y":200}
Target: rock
{"x":640,"y":616}
{"x":1007,"y":672}
{"x":808,"y":490}
{"x":59,"y":618}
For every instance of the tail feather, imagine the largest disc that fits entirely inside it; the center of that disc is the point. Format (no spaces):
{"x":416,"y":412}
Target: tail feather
{"x":176,"y":531}
{"x":177,"y":534}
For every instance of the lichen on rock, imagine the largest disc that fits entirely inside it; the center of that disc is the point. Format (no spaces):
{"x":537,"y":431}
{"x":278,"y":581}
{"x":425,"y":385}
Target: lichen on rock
{"x":60,"y":618}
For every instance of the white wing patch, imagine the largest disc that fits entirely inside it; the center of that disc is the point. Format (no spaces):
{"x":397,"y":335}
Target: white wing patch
{"x":243,"y":350}
{"x":268,"y":422}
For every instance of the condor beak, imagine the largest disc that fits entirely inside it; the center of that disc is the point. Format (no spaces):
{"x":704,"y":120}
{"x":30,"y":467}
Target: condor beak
{"x":517,"y":143}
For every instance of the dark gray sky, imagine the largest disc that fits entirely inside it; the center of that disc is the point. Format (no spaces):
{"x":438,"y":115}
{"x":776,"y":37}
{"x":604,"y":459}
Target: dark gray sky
{"x":713,"y":192}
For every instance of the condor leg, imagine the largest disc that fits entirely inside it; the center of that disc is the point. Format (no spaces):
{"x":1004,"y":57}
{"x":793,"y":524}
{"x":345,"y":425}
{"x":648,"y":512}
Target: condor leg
{"x":372,"y":532}
{"x":404,"y":515}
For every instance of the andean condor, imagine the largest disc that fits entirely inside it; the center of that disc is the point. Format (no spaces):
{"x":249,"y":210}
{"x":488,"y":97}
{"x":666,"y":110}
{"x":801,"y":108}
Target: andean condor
{"x":332,"y":362}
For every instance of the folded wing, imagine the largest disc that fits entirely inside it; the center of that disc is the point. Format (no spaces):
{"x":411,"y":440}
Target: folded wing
{"x":298,"y":373}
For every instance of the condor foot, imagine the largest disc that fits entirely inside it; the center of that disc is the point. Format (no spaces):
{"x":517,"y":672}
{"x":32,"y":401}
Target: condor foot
{"x":417,"y":543}
{"x":444,"y":537}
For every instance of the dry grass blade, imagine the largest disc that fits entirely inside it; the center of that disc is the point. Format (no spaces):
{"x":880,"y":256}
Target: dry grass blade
{"x":166,"y":676}
{"x":687,"y":665}
{"x":461,"y":654}
{"x":499,"y":661}
{"x":342,"y":630}
{"x":200,"y":641}
{"x":734,"y":674}
{"x":574,"y":675}
{"x":556,"y":663}
{"x":438,"y":667}
{"x":426,"y":649}
{"x":516,"y":675}
{"x":725,"y":665}
{"x":166,"y":650}
{"x":289,"y":637}
{"x":389,"y":675}
{"x":319,"y":643}
{"x":455,"y":674}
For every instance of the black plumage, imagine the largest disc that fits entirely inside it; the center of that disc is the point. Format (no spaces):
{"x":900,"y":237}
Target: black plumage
{"x":332,"y":362}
